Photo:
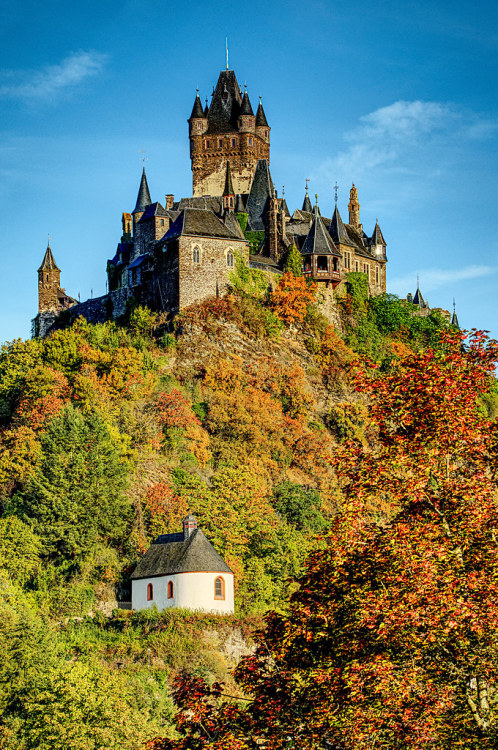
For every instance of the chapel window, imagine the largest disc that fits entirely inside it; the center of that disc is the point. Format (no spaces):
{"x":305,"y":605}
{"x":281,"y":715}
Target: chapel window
{"x":196,"y":255}
{"x":230,"y":259}
{"x":377,"y":275}
{"x":170,"y":589}
{"x":219,"y":588}
{"x":150,"y":592}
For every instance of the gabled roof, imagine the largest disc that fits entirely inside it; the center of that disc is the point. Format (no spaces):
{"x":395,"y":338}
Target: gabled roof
{"x":197,"y":110}
{"x":225,"y":104}
{"x":48,"y":262}
{"x":155,"y":209}
{"x":202,"y":201}
{"x":338,"y":230}
{"x":377,"y":237}
{"x":198,"y":222}
{"x":246,"y":108}
{"x":143,"y":197}
{"x":172,"y":553}
{"x":260,"y":116}
{"x":319,"y":241}
{"x":259,"y":194}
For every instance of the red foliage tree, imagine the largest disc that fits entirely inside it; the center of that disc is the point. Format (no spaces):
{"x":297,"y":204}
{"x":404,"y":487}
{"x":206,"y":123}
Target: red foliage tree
{"x":390,"y":640}
{"x":292,"y":297}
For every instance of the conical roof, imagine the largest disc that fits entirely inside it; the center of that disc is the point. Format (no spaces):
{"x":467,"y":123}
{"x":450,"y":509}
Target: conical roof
{"x":143,"y":197}
{"x":454,"y":319}
{"x":225,"y":104}
{"x":260,"y":116}
{"x":48,"y":262}
{"x":246,"y":108}
{"x":318,"y":241}
{"x":197,"y":110}
{"x":419,"y":300}
{"x":261,"y":191}
{"x":307,"y":203}
{"x":338,"y":230}
{"x":377,"y":237}
{"x":228,"y":182}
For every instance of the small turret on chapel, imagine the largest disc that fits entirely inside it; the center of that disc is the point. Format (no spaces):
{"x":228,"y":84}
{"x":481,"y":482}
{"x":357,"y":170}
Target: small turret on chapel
{"x":227,"y":131}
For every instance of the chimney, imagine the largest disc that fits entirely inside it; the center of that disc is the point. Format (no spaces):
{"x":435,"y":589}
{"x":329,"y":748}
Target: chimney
{"x":189,"y":526}
{"x":170,"y":199}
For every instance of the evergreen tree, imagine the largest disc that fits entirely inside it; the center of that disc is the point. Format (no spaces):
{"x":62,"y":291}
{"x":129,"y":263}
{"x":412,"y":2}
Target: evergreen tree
{"x":294,"y":261}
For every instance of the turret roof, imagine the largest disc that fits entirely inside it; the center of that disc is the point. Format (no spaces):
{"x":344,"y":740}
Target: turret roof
{"x":260,"y":116}
{"x":454,"y":320}
{"x":319,"y":241}
{"x":143,"y":197}
{"x":48,"y":262}
{"x":377,"y":237}
{"x":225,"y":104}
{"x":338,"y":230}
{"x":261,"y":191}
{"x":419,"y":300}
{"x":154,"y":209}
{"x":228,"y":181}
{"x":197,"y":110}
{"x":246,"y":108}
{"x":173,"y":553}
{"x":307,"y":203}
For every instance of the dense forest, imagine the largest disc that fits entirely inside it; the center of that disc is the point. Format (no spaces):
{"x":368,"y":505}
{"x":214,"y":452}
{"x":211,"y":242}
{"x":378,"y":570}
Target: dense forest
{"x":298,"y":444}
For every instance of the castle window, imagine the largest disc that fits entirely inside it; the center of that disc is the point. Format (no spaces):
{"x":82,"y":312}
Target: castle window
{"x":266,"y":134}
{"x":170,"y":589}
{"x":250,"y":141}
{"x":198,"y":126}
{"x":47,"y":275}
{"x":336,"y":264}
{"x":356,"y":266}
{"x":162,"y":222}
{"x":150,"y":592}
{"x":208,"y":144}
{"x":230,"y":258}
{"x":196,"y":255}
{"x":321,"y":264}
{"x":347,"y":260}
{"x":219,"y":588}
{"x":220,"y":142}
{"x":233,"y":141}
{"x":230,"y":201}
{"x":377,"y":275}
{"x":307,"y":263}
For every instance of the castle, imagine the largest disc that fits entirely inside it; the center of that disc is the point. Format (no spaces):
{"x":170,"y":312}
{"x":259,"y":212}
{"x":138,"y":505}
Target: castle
{"x":173,"y":255}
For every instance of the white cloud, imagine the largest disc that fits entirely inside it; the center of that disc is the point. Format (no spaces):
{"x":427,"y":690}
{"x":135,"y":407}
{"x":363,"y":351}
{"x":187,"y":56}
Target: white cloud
{"x":51,"y":81}
{"x":435,"y":278}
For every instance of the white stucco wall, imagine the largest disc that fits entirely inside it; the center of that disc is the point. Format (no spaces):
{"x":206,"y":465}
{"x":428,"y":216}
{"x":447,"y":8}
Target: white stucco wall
{"x":190,"y":590}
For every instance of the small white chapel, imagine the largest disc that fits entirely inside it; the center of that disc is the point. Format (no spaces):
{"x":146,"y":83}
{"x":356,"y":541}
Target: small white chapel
{"x":183,"y":570}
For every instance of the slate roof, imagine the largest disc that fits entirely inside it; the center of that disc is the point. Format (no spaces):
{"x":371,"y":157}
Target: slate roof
{"x":204,"y":201}
{"x":225,"y":104}
{"x":246,"y":108}
{"x":377,"y":237}
{"x":155,"y":209}
{"x":138,"y":261}
{"x":48,"y":262}
{"x":261,"y":117}
{"x":228,"y":181}
{"x":199,"y":223}
{"x":319,"y":241}
{"x":307,"y":204}
{"x":171,"y":553}
{"x":259,"y":194}
{"x":197,"y":110}
{"x":338,"y":230}
{"x":232,"y":224}
{"x":419,"y":300}
{"x":143,"y":197}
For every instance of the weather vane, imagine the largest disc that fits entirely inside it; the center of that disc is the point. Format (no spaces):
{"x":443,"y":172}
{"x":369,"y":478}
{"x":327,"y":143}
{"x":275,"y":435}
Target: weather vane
{"x":283,"y":191}
{"x":49,"y":237}
{"x":336,"y":190}
{"x":143,"y":157}
{"x":226,"y":45}
{"x":307,"y":180}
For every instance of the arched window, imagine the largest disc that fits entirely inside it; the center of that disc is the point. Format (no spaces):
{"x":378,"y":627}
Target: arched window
{"x":170,"y":589}
{"x":196,"y":255}
{"x":230,"y":258}
{"x":219,"y":588}
{"x":150,"y":592}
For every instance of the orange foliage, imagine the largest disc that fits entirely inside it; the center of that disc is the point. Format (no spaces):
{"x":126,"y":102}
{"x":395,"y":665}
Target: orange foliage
{"x":292,"y":297}
{"x":175,"y":413}
{"x":163,"y":510}
{"x":44,"y":394}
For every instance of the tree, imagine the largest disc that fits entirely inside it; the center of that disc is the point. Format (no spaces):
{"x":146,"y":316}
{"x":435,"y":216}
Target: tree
{"x":76,"y":497}
{"x":294,"y":261}
{"x":292,"y":297}
{"x":390,"y":640}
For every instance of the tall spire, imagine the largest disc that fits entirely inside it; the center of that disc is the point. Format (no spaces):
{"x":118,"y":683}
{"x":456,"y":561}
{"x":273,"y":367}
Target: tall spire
{"x":48,"y":262}
{"x":454,"y":319}
{"x":260,"y":116}
{"x":143,"y":197}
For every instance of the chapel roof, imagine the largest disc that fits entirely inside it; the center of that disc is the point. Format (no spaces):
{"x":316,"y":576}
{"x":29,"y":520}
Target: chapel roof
{"x":48,"y":262}
{"x":173,"y":553}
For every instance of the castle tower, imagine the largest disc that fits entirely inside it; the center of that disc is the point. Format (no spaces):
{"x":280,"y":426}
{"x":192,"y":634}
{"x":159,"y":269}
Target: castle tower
{"x":228,"y":131}
{"x":143,"y":199}
{"x":354,"y":209}
{"x":49,"y":279}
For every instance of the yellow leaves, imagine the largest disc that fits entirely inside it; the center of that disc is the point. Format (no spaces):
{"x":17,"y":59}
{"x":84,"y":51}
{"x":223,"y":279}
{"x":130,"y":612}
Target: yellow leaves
{"x":292,"y":297}
{"x":19,"y":455}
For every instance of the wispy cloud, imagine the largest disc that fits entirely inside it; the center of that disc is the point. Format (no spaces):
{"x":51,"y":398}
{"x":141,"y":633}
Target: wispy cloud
{"x":435,"y":278}
{"x":402,"y":136}
{"x":51,"y":81}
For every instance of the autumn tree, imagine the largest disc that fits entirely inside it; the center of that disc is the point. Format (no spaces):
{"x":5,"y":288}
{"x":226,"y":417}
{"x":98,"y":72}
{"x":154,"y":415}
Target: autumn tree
{"x":390,"y":640}
{"x":292,"y":297}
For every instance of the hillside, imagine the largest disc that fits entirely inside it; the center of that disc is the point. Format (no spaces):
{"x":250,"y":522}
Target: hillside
{"x":110,"y":434}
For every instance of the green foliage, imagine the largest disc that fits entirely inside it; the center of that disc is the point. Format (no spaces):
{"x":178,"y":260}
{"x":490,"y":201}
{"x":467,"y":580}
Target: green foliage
{"x":20,"y":550}
{"x":294,"y":261}
{"x":247,"y":281}
{"x":242,"y":218}
{"x":357,"y":288}
{"x":17,"y":358}
{"x":254,"y":239}
{"x":300,"y":506}
{"x":76,"y":497}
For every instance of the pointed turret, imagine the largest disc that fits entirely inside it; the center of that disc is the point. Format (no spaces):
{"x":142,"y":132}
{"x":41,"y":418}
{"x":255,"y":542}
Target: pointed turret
{"x":197,"y":111}
{"x":261,"y":120}
{"x":228,"y":193}
{"x":143,"y":197}
{"x":316,"y":210}
{"x":454,"y":319}
{"x":338,"y":230}
{"x":48,"y":262}
{"x":246,"y":108}
{"x":354,"y":208}
{"x":378,"y":243}
{"x":419,"y":300}
{"x":307,"y":203}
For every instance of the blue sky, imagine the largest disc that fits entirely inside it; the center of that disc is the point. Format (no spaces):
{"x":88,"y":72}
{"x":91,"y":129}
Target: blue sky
{"x":398,"y":97}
